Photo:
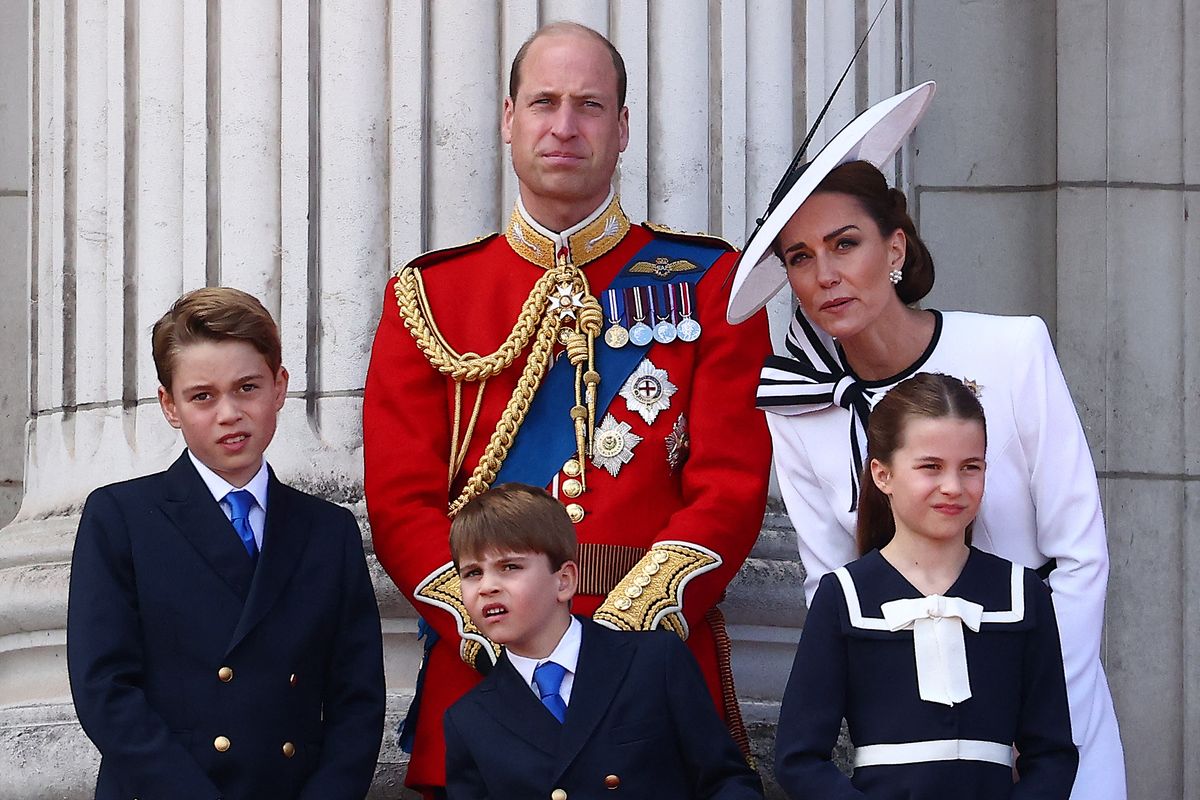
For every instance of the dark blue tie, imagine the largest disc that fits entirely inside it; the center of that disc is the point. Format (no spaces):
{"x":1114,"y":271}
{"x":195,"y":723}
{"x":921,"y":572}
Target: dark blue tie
{"x":240,"y":503}
{"x":548,"y":677}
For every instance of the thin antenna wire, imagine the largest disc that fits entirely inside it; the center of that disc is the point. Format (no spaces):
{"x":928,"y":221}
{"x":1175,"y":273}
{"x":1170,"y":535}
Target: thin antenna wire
{"x":798,"y":158}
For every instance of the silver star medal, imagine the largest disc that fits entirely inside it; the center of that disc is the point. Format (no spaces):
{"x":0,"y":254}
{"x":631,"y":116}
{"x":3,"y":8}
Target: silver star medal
{"x":566,"y":300}
{"x":612,"y":445}
{"x":647,"y":391}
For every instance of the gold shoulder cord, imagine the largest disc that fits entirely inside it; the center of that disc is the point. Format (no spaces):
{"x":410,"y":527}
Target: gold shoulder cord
{"x":560,"y":297}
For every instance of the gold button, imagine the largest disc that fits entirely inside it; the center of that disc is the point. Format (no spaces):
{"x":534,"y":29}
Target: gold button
{"x":572,"y":487}
{"x":633,"y":591}
{"x":572,"y":468}
{"x":659,"y":557}
{"x":611,"y":781}
{"x":225,"y":674}
{"x":623,"y":603}
{"x":650,"y":569}
{"x":558,"y":794}
{"x":575,"y":512}
{"x":292,"y":681}
{"x":289,"y":749}
{"x":221,"y":744}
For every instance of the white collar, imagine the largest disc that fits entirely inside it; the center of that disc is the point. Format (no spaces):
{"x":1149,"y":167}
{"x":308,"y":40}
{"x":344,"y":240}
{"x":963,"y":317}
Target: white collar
{"x":565,"y":654}
{"x":561,"y":239}
{"x":219,"y":487}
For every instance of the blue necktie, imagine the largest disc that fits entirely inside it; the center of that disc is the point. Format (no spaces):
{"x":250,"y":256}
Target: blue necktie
{"x":240,"y":503}
{"x":548,"y":677}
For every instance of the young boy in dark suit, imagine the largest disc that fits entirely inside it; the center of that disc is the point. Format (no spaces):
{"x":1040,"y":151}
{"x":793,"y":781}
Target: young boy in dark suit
{"x":223,"y":639}
{"x":571,"y":709}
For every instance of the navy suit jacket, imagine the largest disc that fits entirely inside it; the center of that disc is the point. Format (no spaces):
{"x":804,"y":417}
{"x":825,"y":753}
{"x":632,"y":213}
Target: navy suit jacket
{"x":200,"y":675}
{"x":640,"y":714}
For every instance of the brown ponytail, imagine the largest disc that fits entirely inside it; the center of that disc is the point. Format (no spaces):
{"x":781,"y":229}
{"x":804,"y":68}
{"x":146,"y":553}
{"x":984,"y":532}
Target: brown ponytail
{"x":923,"y":396}
{"x":888,"y":207}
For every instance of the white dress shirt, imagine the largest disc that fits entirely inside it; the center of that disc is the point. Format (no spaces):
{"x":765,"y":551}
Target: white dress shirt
{"x":565,"y":654}
{"x":221,"y":487}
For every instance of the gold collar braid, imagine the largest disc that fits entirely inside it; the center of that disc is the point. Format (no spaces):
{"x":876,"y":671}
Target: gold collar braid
{"x":592,"y":239}
{"x":560,"y":299}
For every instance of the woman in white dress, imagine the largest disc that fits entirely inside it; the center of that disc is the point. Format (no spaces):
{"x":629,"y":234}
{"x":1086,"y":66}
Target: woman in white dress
{"x":845,"y":244}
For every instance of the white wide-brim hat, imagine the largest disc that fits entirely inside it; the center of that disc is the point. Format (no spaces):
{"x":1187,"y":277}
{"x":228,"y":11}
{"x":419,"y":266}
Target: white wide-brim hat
{"x":874,"y":136}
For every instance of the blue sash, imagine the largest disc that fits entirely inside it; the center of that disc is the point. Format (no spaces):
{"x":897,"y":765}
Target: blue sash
{"x":547,"y":437}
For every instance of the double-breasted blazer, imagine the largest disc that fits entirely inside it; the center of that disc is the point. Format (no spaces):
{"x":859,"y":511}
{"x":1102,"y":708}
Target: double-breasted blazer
{"x":200,"y":674}
{"x":639,"y":724}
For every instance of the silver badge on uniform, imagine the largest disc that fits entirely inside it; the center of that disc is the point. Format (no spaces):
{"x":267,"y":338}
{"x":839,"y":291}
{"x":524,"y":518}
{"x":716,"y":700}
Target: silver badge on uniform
{"x":612,"y":444}
{"x":647,"y":391}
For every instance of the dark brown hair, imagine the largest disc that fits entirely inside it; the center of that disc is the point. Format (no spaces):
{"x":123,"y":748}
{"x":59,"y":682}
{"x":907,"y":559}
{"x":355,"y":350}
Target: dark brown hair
{"x":516,"y":518}
{"x":561,"y":27}
{"x":925,"y":395}
{"x":215,"y":314}
{"x":888,"y":207}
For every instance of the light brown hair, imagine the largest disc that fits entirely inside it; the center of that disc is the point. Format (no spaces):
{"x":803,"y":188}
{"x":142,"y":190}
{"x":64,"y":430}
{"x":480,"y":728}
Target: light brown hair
{"x":564,"y":27}
{"x":514,"y":518}
{"x":214,"y":314}
{"x":925,"y":395}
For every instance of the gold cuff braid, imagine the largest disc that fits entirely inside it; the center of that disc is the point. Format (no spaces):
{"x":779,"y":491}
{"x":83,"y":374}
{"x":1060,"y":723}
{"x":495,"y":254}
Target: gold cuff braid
{"x":443,"y":589}
{"x":651,"y":595}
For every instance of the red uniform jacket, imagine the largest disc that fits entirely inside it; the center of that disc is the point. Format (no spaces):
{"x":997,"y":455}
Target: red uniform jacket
{"x":713,"y":500}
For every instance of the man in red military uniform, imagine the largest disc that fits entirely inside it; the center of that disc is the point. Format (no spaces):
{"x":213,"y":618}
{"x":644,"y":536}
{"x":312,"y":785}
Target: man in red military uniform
{"x":576,"y":351}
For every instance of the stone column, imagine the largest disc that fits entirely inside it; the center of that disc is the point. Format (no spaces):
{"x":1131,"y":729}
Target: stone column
{"x":14,"y":256}
{"x":301,"y":151}
{"x":1056,"y":176}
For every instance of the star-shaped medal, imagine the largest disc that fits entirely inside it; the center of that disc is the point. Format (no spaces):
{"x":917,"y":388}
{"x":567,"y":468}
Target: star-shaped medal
{"x":566,"y":300}
{"x":647,"y":391}
{"x":612,"y":445}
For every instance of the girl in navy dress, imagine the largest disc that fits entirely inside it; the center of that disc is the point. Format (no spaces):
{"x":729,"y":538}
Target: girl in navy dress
{"x":944,"y":660}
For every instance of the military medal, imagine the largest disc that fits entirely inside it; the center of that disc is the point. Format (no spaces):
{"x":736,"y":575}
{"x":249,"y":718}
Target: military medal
{"x":616,"y":336}
{"x":647,"y":391}
{"x":567,"y":300}
{"x":689,"y":329}
{"x":664,"y":331}
{"x":678,"y":443}
{"x":639,"y":332}
{"x":612,"y":445}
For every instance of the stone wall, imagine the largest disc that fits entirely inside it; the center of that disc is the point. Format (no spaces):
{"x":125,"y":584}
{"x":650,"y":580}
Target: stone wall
{"x":1056,"y":174}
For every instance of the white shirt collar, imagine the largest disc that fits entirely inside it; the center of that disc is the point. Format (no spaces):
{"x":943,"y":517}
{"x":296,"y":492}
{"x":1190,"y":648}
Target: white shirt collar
{"x":565,"y":654}
{"x":219,"y":487}
{"x":562,"y":238}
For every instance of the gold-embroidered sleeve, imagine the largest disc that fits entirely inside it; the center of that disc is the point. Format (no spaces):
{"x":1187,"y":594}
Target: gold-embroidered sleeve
{"x":651,"y":594}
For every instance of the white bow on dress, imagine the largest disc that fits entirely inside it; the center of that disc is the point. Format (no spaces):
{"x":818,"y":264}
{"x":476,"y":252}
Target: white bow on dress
{"x":937,"y":625}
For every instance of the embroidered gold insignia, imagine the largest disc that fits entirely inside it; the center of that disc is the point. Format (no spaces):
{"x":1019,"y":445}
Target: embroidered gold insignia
{"x":663,"y":268}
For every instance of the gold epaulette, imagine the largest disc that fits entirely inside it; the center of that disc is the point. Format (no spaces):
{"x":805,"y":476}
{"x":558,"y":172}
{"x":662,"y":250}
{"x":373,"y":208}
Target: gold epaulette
{"x":694,"y":238}
{"x":431,"y":257}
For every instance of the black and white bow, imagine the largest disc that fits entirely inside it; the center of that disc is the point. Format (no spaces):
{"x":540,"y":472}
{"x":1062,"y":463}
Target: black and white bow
{"x":812,"y":378}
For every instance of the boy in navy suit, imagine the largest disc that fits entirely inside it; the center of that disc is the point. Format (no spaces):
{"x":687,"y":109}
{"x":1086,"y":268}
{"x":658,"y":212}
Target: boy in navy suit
{"x":571,"y":709}
{"x":223,"y":639}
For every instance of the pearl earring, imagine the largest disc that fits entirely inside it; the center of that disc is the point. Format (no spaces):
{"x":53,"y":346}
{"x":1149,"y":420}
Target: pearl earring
{"x":895,"y":276}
